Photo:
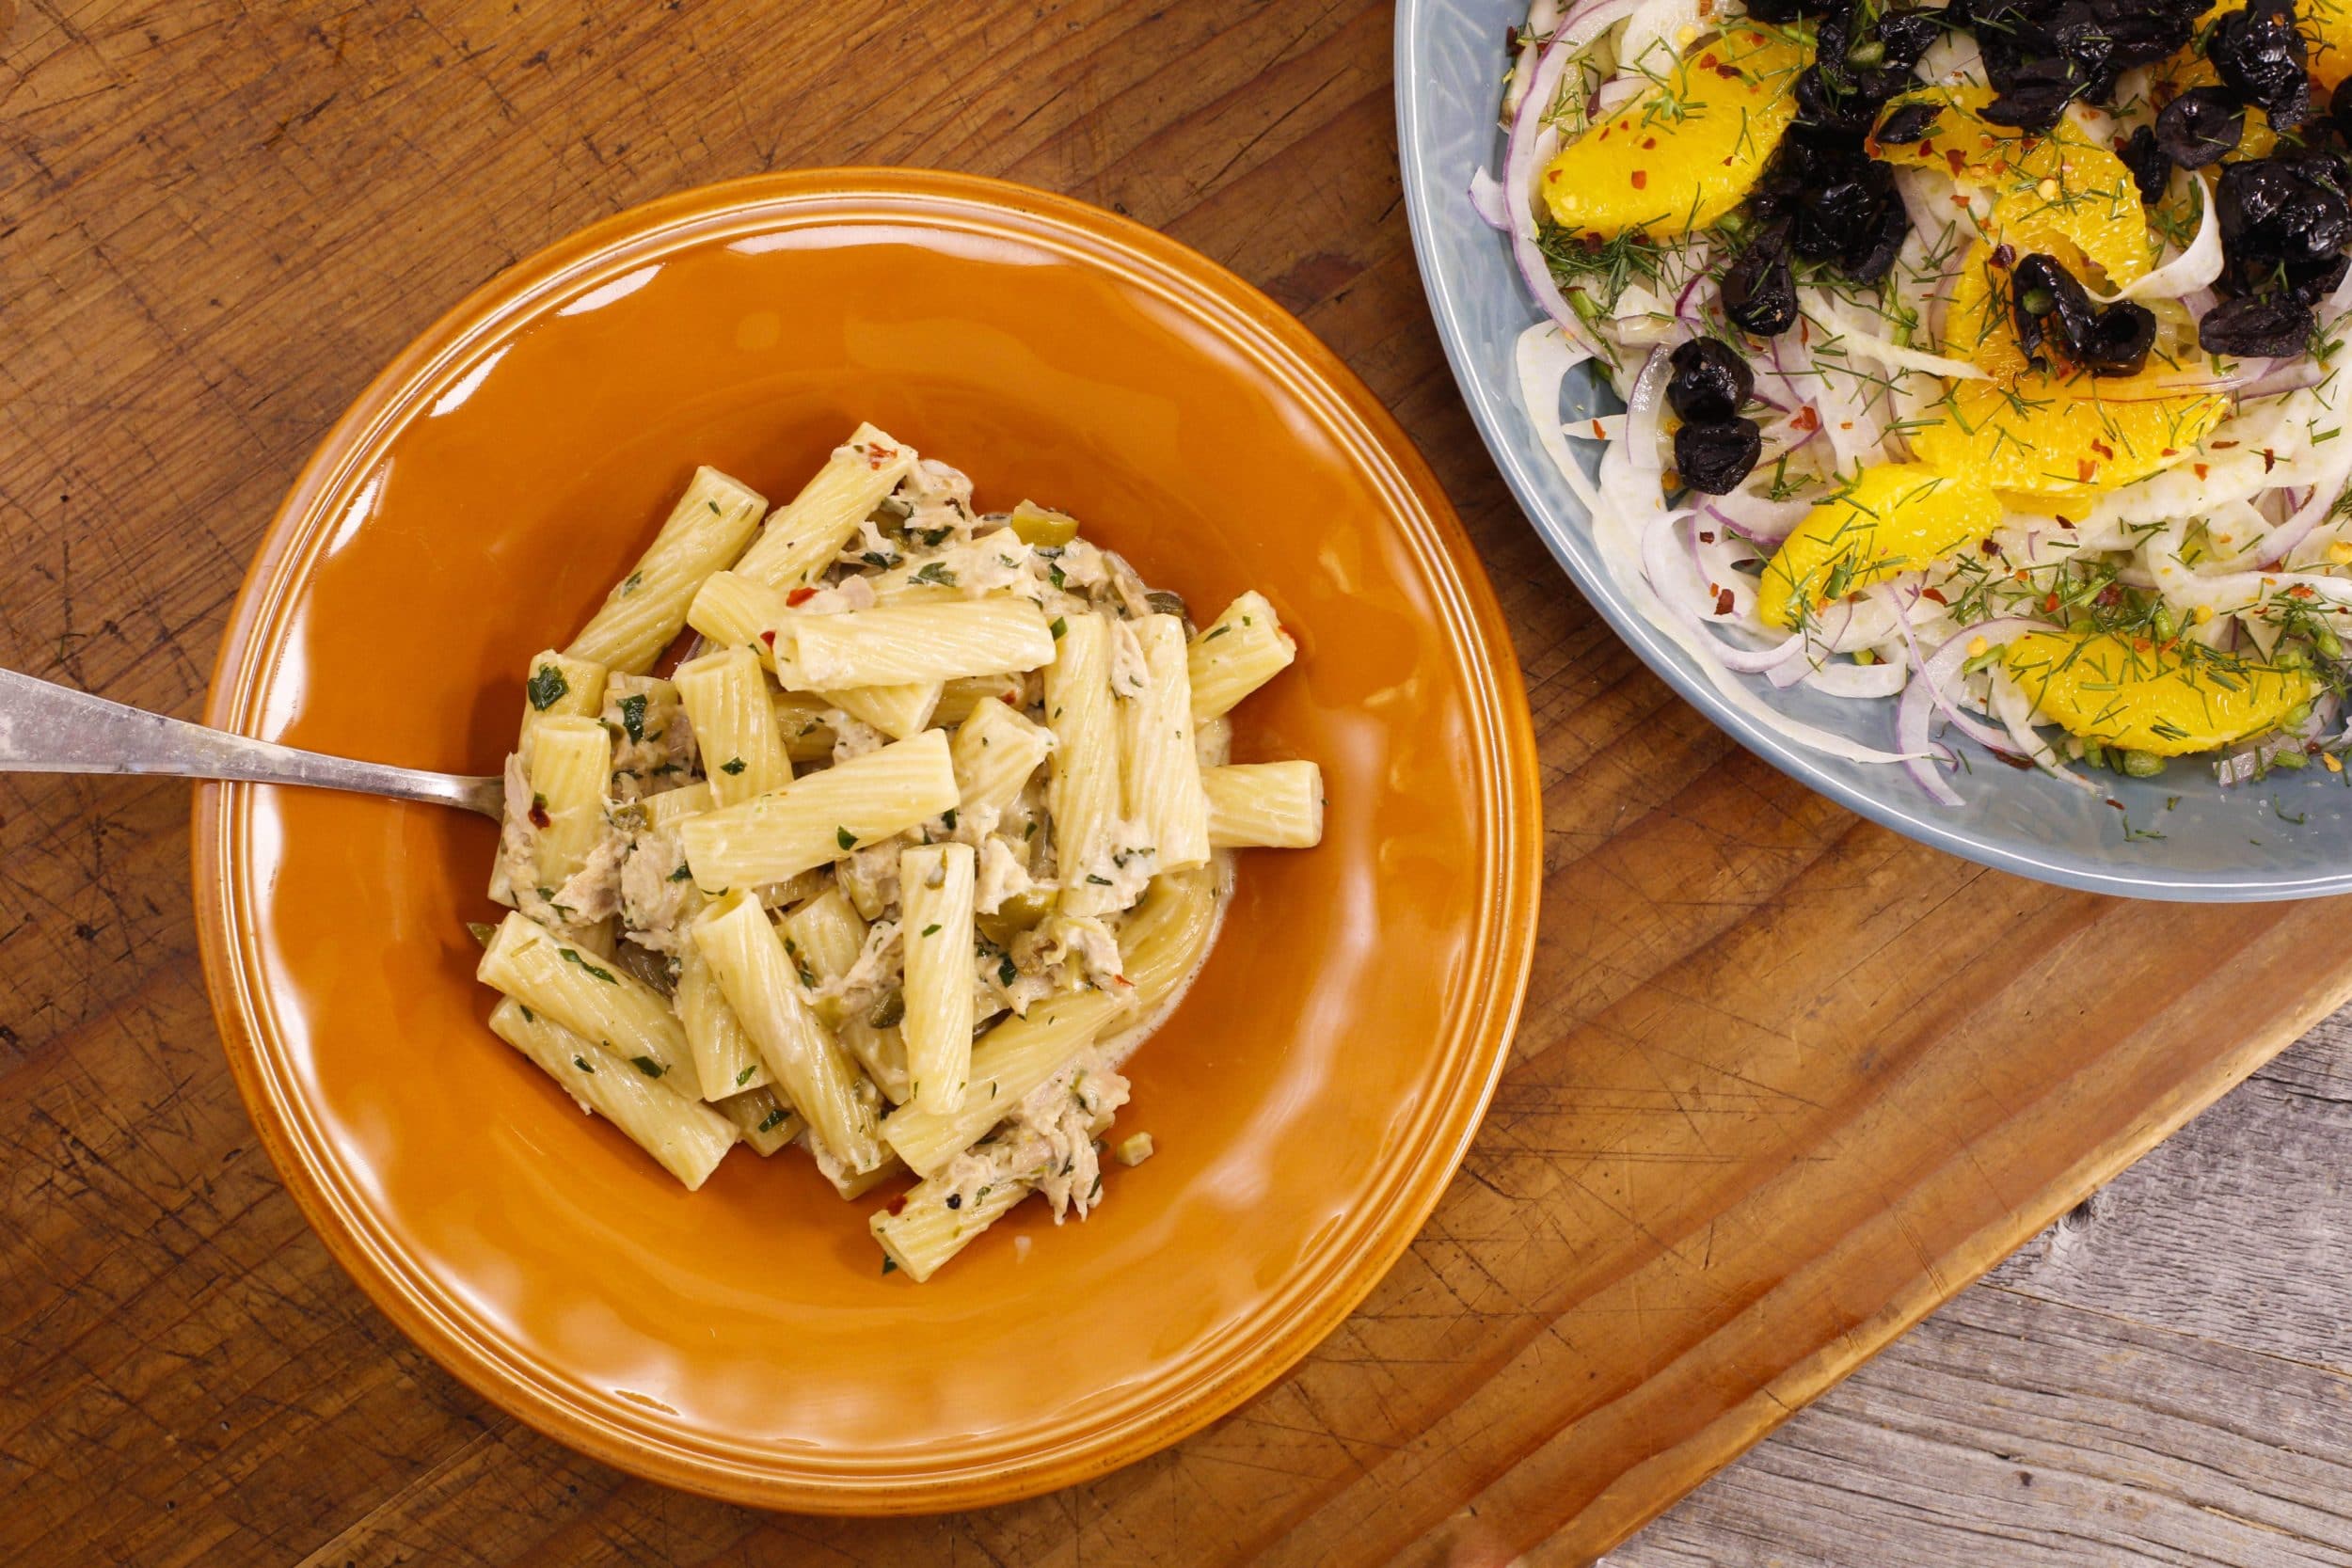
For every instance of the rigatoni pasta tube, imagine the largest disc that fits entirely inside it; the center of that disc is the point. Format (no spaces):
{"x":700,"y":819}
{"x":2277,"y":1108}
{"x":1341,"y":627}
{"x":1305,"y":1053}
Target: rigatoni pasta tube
{"x":809,"y":1068}
{"x":801,"y":539}
{"x":668,"y":807}
{"x":994,"y":752}
{"x":734,"y":725}
{"x":920,"y":1232}
{"x":801,"y":725}
{"x":766,"y":1122}
{"x":735,"y":611}
{"x":592,"y":999}
{"x":1159,"y":771}
{"x":935,"y":894}
{"x":644,"y":613}
{"x":1162,"y":940}
{"x":688,"y":1139}
{"x":826,"y":935}
{"x":724,"y":1058}
{"x":1237,"y":652}
{"x":1009,"y":1060}
{"x":961,"y":697}
{"x":899,"y":645}
{"x":571,"y":761}
{"x":557,"y":685}
{"x":1264,"y":806}
{"x":1083,"y":790}
{"x":820,"y":817}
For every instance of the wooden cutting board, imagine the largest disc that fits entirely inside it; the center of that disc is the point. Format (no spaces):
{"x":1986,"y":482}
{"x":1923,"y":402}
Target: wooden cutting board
{"x":1785,"y":1081}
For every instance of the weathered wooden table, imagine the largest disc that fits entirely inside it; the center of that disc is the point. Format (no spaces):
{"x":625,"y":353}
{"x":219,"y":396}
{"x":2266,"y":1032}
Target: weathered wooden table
{"x":215,"y":221}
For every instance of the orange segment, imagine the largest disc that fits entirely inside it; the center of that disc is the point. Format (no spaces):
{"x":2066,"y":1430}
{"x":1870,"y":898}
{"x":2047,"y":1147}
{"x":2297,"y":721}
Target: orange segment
{"x":2044,"y":188}
{"x":1683,"y":153}
{"x":2054,"y":435}
{"x":2149,"y":696}
{"x":1894,"y":518}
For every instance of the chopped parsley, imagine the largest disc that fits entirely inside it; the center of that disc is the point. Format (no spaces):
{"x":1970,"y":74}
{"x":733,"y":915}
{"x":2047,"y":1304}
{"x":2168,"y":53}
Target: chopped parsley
{"x":572,"y":958}
{"x":1059,"y":627}
{"x":845,"y":838}
{"x":683,"y":872}
{"x":890,"y":1265}
{"x":936,"y":573}
{"x":745,"y":1076}
{"x":581,"y":1063}
{"x":648,"y":1065}
{"x":732,"y":766}
{"x":932,"y":931}
{"x":772,"y":1118}
{"x":634,"y":717}
{"x":1005,"y":972}
{"x":546,"y":687}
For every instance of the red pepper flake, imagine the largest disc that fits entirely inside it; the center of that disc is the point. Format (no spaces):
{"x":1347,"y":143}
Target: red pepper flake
{"x":1641,"y":179}
{"x":2085,"y":469}
{"x":2049,"y":604}
{"x":1599,"y":434}
{"x":877,"y":456}
{"x":1706,"y":538}
{"x":2220,"y":445}
{"x":2271,"y":460}
{"x":2005,"y":254}
{"x":897,"y":1205}
{"x":2170,"y":451}
{"x":1989,"y":547}
{"x":1648,"y":142}
{"x":1708,"y":61}
{"x":2302,"y":591}
{"x":539,"y":818}
{"x":1958,"y":161}
{"x":1809,"y":418}
{"x":2064,"y":521}
{"x":1551,"y":176}
{"x":2117,"y":805}
{"x":2201,"y":469}
{"x":799,"y":596}
{"x":2103,"y":450}
{"x":1935,"y":594}
{"x":1723,"y":601}
{"x":768,"y":638}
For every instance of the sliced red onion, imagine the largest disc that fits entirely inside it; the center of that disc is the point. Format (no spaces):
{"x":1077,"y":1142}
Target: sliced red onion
{"x":1677,"y":588}
{"x":1577,"y":30}
{"x":1756,"y":518}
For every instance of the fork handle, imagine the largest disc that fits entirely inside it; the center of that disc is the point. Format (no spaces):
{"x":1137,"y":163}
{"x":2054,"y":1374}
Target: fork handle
{"x":46,"y":728}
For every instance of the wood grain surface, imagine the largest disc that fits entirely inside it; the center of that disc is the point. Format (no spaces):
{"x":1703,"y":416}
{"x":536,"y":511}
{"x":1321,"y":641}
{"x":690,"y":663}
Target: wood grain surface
{"x":1785,"y":1081}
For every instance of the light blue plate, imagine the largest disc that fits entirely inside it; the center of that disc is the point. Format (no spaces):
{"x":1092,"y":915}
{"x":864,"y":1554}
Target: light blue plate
{"x":2216,"y":846}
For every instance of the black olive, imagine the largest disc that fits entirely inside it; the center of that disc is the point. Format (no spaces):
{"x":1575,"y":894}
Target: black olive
{"x":2202,"y":125}
{"x":1910,"y":124}
{"x":1710,"y":382}
{"x":2313,"y":281}
{"x":1786,"y":10}
{"x":2152,"y":171}
{"x":1842,"y":207}
{"x":1907,"y":34}
{"x":1716,"y":456}
{"x":2142,"y":31}
{"x":1759,"y":289}
{"x":2259,"y":52}
{"x":2283,"y":209}
{"x":1872,"y":258}
{"x":2339,"y":110}
{"x":2041,"y":289}
{"x":2036,"y":98}
{"x":2119,"y":340}
{"x":1823,"y":106}
{"x":2267,"y":327}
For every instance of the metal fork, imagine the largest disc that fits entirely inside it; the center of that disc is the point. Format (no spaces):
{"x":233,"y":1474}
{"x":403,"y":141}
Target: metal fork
{"x":46,"y":728}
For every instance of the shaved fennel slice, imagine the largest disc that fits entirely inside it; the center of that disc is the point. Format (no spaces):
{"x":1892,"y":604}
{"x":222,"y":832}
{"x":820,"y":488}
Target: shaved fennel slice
{"x":1618,"y":527}
{"x":2192,"y":269}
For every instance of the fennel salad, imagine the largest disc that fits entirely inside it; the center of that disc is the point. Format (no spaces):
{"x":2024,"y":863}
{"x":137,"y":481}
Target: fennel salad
{"x":1978,"y":361}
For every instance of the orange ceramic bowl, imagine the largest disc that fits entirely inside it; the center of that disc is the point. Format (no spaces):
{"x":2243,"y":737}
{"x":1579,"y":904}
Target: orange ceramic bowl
{"x":1310,"y":1098}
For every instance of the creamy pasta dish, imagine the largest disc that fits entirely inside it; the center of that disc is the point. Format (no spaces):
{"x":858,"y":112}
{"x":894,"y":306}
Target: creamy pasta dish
{"x":924,"y":837}
{"x":1979,"y":361}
